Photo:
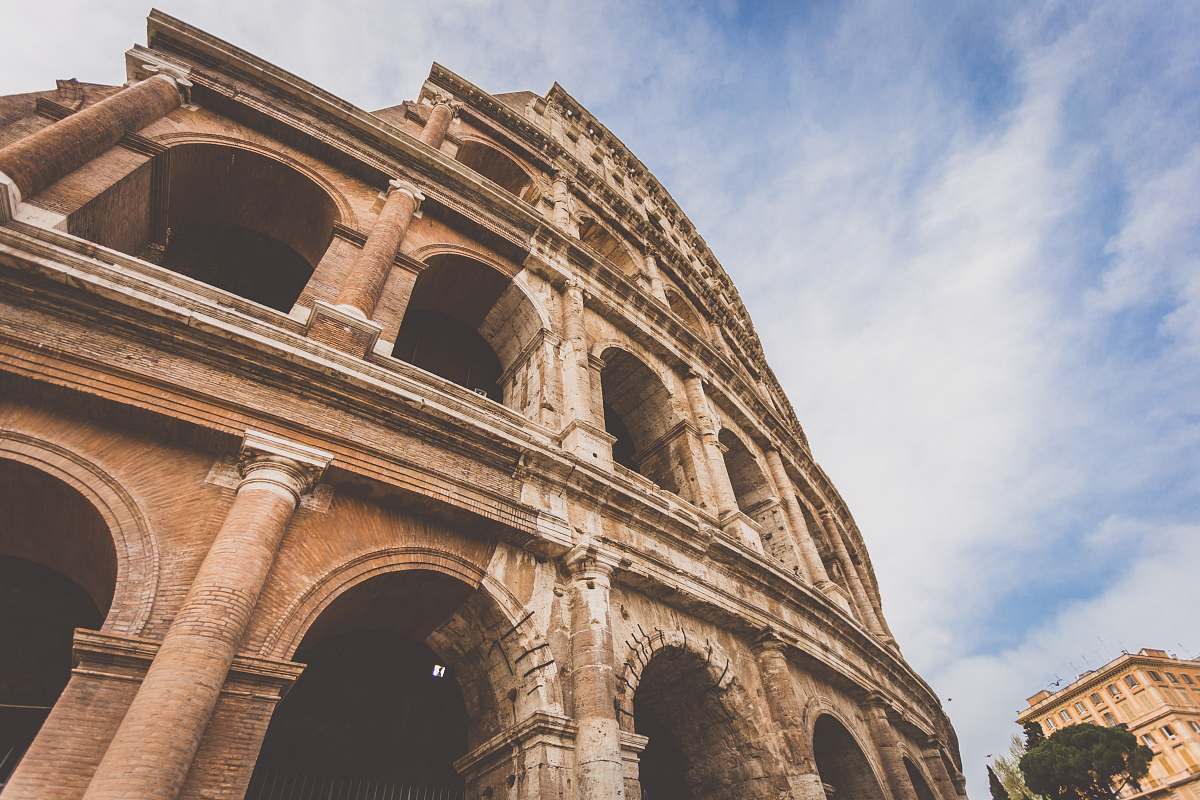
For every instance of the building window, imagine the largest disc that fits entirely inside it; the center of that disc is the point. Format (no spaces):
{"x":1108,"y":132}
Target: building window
{"x":1114,"y":691}
{"x":1109,"y":719}
{"x":1049,"y":725}
{"x":1064,"y":715}
{"x":1171,"y":677}
{"x":1148,"y":739}
{"x":1080,"y":709}
{"x":1186,"y":678}
{"x":1154,"y":676}
{"x":1131,"y":682}
{"x":1168,"y":731}
{"x":1195,"y":726}
{"x":1096,"y":701}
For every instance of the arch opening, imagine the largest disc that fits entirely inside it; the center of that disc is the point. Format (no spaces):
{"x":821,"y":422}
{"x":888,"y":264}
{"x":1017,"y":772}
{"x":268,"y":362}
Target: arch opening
{"x":698,"y":748}
{"x":841,"y":763}
{"x":681,"y":308}
{"x":471,"y":324}
{"x":227,"y":216}
{"x":372,"y":711}
{"x":750,"y":486}
{"x":498,"y":167}
{"x":58,"y":571}
{"x":596,"y":236}
{"x":637,"y":411}
{"x":920,"y":785}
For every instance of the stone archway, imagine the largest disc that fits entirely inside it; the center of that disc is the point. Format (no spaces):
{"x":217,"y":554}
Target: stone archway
{"x":414,"y":609}
{"x":917,"y":778}
{"x":58,"y":572}
{"x":845,"y":770}
{"x":703,"y":740}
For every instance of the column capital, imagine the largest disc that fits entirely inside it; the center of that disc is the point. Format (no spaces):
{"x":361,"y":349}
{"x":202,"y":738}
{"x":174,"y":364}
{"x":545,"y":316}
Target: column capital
{"x":407,"y":187}
{"x":826,"y":513}
{"x":175,"y":74}
{"x":693,"y":371}
{"x":585,"y":560}
{"x":295,"y":467}
{"x":877,"y":701}
{"x":769,"y":640}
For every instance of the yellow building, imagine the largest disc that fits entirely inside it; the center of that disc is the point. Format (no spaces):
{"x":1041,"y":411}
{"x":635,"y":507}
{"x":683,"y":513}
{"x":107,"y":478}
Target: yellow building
{"x":1154,"y":695}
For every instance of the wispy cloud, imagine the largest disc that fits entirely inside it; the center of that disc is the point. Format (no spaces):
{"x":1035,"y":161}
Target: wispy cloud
{"x":968,"y":235}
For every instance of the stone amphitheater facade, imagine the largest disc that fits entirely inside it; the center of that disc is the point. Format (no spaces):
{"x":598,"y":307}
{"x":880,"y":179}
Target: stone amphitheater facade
{"x":425,"y":450}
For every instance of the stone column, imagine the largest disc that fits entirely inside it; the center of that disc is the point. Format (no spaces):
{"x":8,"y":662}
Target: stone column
{"x":561,"y":191}
{"x":814,"y":568}
{"x":693,"y":386}
{"x":30,"y":164}
{"x":932,"y":753}
{"x":434,"y":132}
{"x":788,"y":715}
{"x":152,"y":750}
{"x":599,"y":764}
{"x":888,"y":745}
{"x":866,"y":611}
{"x":577,"y":385}
{"x":360,"y":293}
{"x":650,"y":278}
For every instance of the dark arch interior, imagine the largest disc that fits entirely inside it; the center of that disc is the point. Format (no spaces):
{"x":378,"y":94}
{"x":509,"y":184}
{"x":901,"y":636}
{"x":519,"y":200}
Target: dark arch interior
{"x":369,"y":714}
{"x":918,"y":780}
{"x":441,"y":329}
{"x":696,"y":750}
{"x":683,"y":309}
{"x":596,"y":236}
{"x":749,"y":483}
{"x":843,"y":767}
{"x":496,"y":166}
{"x":244,"y":223}
{"x":57,"y":573}
{"x":637,"y":411}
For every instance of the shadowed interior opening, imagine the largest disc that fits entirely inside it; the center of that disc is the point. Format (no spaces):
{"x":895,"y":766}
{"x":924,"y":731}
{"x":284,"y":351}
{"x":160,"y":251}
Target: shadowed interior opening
{"x":843,"y":767}
{"x":637,"y":411}
{"x":924,"y":792}
{"x":370,"y":709}
{"x":498,"y":167}
{"x":57,"y":573}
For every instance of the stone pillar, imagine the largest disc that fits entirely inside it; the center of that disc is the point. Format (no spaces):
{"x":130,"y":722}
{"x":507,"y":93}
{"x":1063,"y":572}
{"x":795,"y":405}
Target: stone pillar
{"x":814,"y":568}
{"x":154,"y":746}
{"x":561,"y":192}
{"x":599,"y":763}
{"x":693,"y":386}
{"x":788,"y":715}
{"x":577,"y":385}
{"x":888,"y":745}
{"x":434,"y":132}
{"x":650,"y":278}
{"x":30,"y":164}
{"x":932,"y":753}
{"x":866,"y":611}
{"x":370,"y":271}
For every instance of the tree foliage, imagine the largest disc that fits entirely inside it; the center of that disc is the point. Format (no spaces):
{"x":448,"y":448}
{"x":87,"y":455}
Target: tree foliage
{"x":1085,"y":762}
{"x":1008,"y":770}
{"x":996,"y":787}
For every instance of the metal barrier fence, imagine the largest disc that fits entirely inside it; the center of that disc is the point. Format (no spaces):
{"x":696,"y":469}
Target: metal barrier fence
{"x":267,"y":784}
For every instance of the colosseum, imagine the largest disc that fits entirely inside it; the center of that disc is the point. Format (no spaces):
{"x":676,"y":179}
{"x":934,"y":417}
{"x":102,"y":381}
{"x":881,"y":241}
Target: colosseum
{"x":422,"y":453}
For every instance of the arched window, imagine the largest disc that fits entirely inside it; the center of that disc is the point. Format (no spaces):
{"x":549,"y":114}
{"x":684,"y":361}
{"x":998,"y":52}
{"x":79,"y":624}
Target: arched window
{"x":58,"y":571}
{"x":471,"y":324}
{"x":498,"y":167}
{"x":597,"y":237}
{"x":841,"y":763}
{"x":681,"y":308}
{"x":924,"y":792}
{"x":232,"y":218}
{"x":750,"y":485}
{"x":637,"y":411}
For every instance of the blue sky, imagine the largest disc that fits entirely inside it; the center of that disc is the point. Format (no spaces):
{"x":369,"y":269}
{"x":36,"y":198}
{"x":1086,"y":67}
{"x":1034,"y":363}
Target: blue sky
{"x":967,"y":233}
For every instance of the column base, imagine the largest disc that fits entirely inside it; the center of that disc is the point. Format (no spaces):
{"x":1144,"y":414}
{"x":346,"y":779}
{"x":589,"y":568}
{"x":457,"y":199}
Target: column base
{"x":342,"y":328}
{"x":837,"y":595}
{"x":739,"y":526}
{"x":590,"y":443}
